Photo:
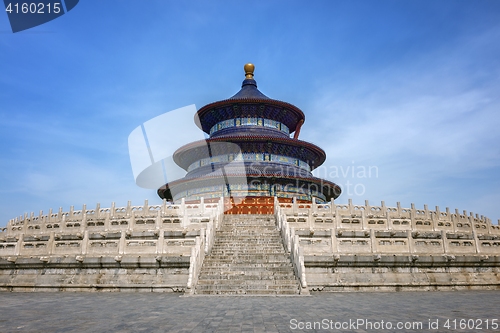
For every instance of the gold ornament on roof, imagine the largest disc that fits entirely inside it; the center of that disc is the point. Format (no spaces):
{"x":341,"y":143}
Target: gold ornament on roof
{"x":249,"y":68}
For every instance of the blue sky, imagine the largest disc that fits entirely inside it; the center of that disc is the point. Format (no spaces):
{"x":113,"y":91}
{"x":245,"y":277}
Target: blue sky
{"x":407,"y":89}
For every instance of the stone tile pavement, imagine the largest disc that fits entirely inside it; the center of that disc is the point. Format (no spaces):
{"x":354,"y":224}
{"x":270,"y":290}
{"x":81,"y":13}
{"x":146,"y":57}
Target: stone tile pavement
{"x":328,"y":312}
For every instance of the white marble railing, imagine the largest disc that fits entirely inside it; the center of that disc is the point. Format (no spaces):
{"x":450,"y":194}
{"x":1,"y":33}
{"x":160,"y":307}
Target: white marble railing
{"x":129,"y":217}
{"x":148,"y":229}
{"x":203,"y":246}
{"x":366,"y":217}
{"x":291,"y":242}
{"x":213,"y":226}
{"x":329,"y":228}
{"x":196,"y":261}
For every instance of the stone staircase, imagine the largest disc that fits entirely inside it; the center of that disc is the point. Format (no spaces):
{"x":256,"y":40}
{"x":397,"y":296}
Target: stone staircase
{"x":247,"y":258}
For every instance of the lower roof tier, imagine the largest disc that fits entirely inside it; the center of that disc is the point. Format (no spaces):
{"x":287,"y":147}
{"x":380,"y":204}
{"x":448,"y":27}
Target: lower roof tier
{"x":236,"y":185}
{"x":203,"y":149}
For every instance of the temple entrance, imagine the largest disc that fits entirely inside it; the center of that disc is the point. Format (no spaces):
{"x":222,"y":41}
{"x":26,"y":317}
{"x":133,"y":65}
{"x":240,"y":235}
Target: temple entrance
{"x":249,"y":205}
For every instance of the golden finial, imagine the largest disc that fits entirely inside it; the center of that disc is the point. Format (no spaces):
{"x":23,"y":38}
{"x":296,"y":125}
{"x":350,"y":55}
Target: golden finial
{"x":249,"y":68}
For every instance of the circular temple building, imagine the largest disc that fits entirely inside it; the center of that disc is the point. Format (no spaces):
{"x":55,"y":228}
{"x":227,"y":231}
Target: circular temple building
{"x":250,"y":152}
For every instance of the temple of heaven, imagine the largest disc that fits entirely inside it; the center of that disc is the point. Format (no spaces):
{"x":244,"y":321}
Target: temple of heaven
{"x":250,"y":152}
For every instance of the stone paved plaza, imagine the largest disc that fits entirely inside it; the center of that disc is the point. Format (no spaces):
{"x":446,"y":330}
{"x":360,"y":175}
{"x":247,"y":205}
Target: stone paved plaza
{"x":165,"y":312}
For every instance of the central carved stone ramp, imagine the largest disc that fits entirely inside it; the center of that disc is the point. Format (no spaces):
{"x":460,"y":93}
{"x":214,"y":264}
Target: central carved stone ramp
{"x":247,"y":258}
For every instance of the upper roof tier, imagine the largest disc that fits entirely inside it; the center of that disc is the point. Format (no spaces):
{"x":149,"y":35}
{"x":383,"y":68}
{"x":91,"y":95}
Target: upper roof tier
{"x":249,"y":102}
{"x":249,"y":86}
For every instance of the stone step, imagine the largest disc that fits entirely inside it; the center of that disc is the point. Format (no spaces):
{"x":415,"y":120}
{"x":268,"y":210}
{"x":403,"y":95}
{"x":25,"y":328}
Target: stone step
{"x":249,"y":222}
{"x":245,"y":269}
{"x":244,"y":235}
{"x":245,"y":292}
{"x":210,"y":290}
{"x":230,"y":217}
{"x":248,"y":265}
{"x":263,"y":257}
{"x":245,"y":244}
{"x":262,"y":236}
{"x":250,"y":275}
{"x":248,"y":284}
{"x":262,"y":248}
{"x":232,"y":277}
{"x":239,"y":219}
{"x":235,"y":276}
{"x":227,"y":261}
{"x":246,"y":232}
{"x":231,"y":251}
{"x":256,"y":250}
{"x":256,"y":224}
{"x":248,"y":247}
{"x":237,"y":241}
{"x":267,"y":258}
{"x":253,"y":243}
{"x":260,"y":256}
{"x":252,"y":281}
{"x":272,"y":237}
{"x":253,"y":225}
{"x":245,"y":241}
{"x":239,"y":228}
{"x":246,"y":261}
{"x":248,"y":240}
{"x":247,"y":227}
{"x":256,"y":271}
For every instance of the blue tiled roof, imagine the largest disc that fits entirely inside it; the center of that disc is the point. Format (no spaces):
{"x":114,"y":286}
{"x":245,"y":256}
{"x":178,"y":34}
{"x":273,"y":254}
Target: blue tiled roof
{"x":249,"y":90}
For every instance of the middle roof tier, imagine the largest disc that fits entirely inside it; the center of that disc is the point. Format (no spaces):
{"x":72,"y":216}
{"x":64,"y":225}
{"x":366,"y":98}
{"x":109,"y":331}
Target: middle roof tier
{"x":304,"y":153}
